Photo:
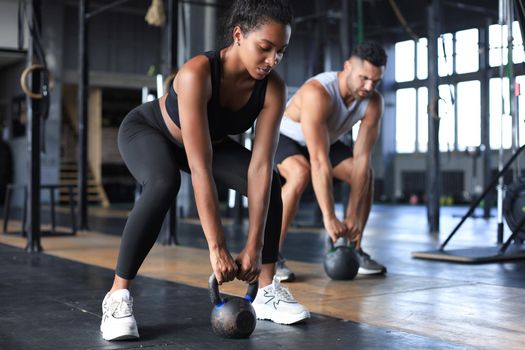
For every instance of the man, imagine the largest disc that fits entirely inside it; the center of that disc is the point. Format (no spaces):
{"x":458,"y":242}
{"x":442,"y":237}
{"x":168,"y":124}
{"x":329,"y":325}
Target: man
{"x":321,"y":112}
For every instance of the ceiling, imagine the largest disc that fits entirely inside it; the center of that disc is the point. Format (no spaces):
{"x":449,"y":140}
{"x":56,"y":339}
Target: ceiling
{"x":379,"y":18}
{"x":381,"y":22}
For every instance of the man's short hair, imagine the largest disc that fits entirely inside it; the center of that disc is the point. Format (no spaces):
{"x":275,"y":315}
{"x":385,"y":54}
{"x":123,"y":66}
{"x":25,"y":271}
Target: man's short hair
{"x":371,"y":52}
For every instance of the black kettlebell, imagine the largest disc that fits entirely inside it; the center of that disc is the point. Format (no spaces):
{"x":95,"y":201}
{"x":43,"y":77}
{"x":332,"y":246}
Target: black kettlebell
{"x":232,"y":317}
{"x":340,"y":262}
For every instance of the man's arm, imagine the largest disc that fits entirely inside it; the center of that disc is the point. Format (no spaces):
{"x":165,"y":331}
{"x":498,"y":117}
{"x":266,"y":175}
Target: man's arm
{"x":315,"y":108}
{"x":360,"y":177}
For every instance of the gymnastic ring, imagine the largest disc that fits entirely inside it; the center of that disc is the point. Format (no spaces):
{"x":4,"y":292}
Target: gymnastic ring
{"x":23,"y":80}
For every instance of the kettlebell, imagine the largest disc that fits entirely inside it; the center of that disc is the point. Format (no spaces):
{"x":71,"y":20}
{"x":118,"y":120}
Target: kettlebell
{"x":340,"y":262}
{"x":232,"y":317}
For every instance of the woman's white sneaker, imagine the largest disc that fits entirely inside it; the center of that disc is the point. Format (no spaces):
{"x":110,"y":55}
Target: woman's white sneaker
{"x":275,"y":302}
{"x":118,"y":322}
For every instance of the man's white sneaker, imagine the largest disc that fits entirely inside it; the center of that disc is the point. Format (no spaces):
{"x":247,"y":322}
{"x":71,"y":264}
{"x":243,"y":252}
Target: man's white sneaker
{"x":275,"y":302}
{"x":118,"y":322}
{"x":283,"y":272}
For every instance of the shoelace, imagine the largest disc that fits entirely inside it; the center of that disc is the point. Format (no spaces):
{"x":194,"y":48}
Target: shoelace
{"x":283,"y":293}
{"x":365,"y":255}
{"x":121,"y":308}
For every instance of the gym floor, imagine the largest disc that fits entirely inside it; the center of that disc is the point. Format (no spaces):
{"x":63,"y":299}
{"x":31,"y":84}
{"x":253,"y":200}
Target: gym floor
{"x":52,"y":300}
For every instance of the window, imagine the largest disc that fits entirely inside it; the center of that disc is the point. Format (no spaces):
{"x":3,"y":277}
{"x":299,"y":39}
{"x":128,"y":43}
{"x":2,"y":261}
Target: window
{"x":518,"y":53}
{"x":495,"y":39}
{"x":406,"y":120}
{"x":422,"y":58}
{"x":445,"y":56}
{"x":404,"y":52}
{"x":447,"y":117}
{"x":460,"y":102}
{"x":521,"y":113}
{"x":469,"y":114}
{"x":422,"y":119}
{"x":500,"y":121}
{"x":467,"y":51}
{"x":412,"y":120}
{"x":498,"y":38}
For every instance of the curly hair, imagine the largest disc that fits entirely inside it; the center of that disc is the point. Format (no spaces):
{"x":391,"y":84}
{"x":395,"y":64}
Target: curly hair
{"x":251,"y":14}
{"x":371,"y":52}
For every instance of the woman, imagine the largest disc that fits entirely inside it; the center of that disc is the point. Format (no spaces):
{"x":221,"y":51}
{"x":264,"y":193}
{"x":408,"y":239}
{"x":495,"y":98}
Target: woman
{"x":214,"y":95}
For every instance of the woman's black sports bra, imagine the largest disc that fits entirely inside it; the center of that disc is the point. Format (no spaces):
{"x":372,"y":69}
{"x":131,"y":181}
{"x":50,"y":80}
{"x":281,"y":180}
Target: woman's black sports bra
{"x":223,"y":122}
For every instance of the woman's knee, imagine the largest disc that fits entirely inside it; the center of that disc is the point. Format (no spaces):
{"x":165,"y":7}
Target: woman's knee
{"x":163,"y":186}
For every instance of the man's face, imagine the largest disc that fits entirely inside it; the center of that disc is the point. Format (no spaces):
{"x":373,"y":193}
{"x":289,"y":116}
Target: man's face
{"x":363,"y":77}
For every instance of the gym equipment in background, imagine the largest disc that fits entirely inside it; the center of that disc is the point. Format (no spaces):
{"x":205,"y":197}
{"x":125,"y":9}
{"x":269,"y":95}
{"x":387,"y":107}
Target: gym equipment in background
{"x":513,"y":211}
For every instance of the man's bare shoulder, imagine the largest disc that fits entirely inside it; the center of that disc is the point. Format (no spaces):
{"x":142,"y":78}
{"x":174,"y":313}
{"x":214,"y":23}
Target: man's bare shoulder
{"x":313,"y":93}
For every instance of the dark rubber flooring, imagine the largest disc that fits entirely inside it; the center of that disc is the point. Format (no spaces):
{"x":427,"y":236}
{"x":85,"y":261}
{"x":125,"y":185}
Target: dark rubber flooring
{"x":52,"y":303}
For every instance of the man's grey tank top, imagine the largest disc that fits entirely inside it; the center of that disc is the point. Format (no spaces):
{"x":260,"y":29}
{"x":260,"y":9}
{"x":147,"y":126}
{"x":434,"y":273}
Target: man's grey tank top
{"x":341,"y":119}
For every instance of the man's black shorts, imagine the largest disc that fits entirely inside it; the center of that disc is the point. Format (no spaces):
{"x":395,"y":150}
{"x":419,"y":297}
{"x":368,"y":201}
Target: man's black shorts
{"x":288,"y":147}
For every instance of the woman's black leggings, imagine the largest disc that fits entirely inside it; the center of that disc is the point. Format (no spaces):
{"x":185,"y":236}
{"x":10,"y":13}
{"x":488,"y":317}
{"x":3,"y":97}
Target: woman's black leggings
{"x":155,"y":160}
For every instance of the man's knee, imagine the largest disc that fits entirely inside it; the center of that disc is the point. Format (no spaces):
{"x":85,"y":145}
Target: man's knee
{"x":297,"y":175}
{"x":303,"y":176}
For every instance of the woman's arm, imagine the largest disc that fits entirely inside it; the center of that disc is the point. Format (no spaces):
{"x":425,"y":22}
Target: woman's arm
{"x":260,"y":176}
{"x":193,"y":87}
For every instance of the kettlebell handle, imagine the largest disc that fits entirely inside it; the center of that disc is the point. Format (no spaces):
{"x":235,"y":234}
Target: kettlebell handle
{"x":331,"y":244}
{"x":215,"y":297}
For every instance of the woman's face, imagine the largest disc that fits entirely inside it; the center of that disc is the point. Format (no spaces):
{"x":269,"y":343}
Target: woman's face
{"x":262,"y":48}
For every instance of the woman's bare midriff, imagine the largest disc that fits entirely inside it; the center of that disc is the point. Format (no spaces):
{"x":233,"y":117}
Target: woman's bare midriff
{"x":172,"y":128}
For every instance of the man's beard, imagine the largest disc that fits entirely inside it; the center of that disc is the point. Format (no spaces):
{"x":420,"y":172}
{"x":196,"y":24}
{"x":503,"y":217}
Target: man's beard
{"x":358,"y":97}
